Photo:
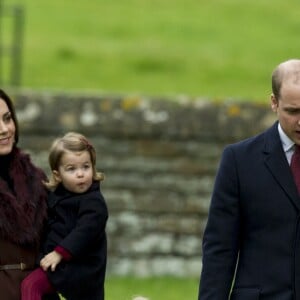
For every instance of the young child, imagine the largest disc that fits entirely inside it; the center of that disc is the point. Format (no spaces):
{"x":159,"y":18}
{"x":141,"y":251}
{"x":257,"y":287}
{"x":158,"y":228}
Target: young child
{"x":74,"y":251}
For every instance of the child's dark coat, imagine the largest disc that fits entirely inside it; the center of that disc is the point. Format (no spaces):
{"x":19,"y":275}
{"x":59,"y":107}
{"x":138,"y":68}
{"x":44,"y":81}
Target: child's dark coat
{"x":77,"y":223}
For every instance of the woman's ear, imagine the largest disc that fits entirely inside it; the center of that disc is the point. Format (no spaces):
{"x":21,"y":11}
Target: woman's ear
{"x":56,"y":175}
{"x":274,"y":103}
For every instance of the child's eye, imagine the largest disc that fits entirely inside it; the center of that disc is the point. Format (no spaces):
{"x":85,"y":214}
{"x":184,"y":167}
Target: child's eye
{"x":70,"y":169}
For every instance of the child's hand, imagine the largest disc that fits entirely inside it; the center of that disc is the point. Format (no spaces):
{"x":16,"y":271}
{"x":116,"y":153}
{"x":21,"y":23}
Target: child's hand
{"x":52,"y":259}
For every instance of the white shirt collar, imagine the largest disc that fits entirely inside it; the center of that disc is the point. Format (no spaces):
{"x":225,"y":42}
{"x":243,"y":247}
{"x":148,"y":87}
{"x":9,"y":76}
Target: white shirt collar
{"x":287,"y":143}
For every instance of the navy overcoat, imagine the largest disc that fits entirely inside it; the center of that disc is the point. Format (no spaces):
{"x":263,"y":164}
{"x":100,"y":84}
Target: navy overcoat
{"x":253,"y":233}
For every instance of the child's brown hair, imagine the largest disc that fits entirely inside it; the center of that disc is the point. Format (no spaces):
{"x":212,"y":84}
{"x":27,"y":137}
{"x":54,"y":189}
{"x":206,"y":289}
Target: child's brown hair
{"x":74,"y":142}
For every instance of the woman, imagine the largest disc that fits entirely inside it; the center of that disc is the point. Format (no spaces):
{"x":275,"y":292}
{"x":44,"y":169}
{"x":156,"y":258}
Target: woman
{"x":22,"y":205}
{"x":73,"y":258}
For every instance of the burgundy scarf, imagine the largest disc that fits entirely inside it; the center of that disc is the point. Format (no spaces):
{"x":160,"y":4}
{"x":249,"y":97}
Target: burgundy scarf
{"x":23,"y":212}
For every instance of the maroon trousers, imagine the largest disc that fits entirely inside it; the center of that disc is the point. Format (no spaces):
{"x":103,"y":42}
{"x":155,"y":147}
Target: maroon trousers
{"x":36,"y":285}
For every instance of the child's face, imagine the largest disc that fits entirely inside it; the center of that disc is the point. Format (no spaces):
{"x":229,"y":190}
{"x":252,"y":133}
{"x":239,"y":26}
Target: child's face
{"x":75,"y":171}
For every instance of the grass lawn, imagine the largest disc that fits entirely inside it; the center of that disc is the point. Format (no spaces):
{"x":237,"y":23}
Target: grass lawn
{"x":216,"y":48}
{"x":155,"y":288}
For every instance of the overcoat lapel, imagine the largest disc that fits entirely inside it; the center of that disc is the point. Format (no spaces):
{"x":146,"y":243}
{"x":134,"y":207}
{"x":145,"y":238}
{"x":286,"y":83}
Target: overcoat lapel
{"x":276,"y":162}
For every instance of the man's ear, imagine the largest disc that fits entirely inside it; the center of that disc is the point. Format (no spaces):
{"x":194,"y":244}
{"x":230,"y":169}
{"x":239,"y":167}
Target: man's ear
{"x":274,"y":103}
{"x":56,"y":175}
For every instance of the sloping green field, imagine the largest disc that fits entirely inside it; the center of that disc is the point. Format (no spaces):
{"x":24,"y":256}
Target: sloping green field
{"x":205,"y":48}
{"x":216,"y":48}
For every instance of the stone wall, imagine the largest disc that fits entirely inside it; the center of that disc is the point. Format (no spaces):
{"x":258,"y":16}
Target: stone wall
{"x":160,"y":158}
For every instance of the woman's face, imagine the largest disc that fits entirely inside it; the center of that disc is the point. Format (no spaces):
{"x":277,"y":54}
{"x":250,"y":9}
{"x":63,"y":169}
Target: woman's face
{"x":7,"y":129}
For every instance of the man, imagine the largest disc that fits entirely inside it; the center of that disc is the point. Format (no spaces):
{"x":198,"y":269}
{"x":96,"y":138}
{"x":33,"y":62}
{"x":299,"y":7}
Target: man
{"x":251,"y":244}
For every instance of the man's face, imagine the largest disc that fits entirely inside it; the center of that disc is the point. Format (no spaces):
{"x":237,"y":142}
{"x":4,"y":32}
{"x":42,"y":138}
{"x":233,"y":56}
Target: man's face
{"x":288,"y":110}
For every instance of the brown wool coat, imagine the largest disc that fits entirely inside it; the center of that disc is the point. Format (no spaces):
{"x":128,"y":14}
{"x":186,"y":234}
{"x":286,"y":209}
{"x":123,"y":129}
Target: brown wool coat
{"x":22,"y":217}
{"x":10,"y":280}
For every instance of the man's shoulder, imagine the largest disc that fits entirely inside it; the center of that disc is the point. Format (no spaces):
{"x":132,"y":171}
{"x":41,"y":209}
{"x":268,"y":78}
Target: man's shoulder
{"x":257,"y":141}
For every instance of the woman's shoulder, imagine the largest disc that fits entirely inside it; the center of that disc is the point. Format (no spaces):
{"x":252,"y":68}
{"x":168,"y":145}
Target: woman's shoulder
{"x":23,"y":161}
